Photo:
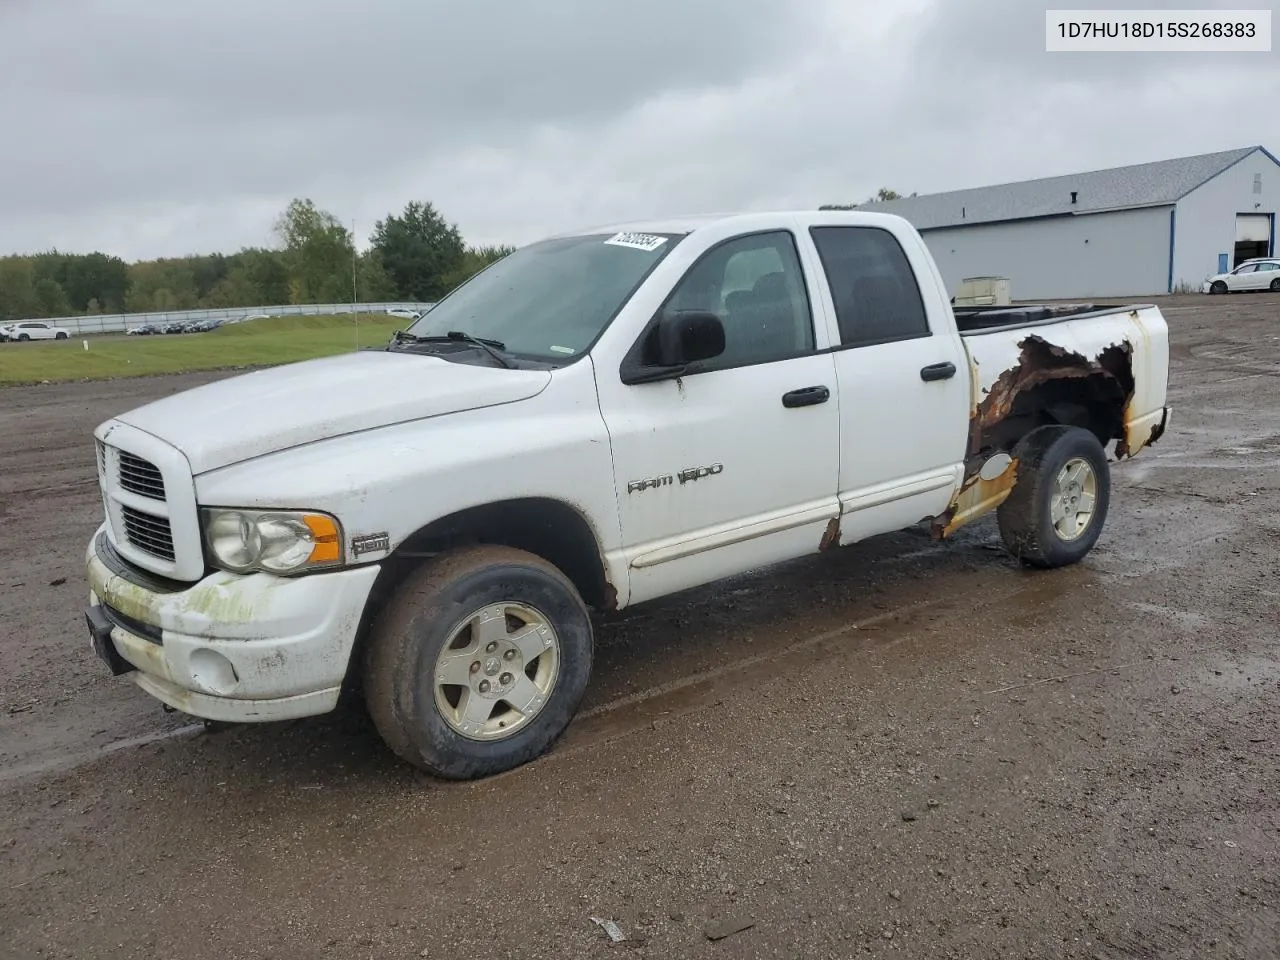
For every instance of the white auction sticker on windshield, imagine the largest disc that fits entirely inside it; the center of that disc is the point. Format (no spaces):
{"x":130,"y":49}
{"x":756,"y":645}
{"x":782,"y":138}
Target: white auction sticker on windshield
{"x":637,"y":241}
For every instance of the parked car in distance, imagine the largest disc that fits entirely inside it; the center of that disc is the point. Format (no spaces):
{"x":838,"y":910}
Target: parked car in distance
{"x":403,"y":312}
{"x":1262,"y":273}
{"x":146,"y":330}
{"x":36,"y":330}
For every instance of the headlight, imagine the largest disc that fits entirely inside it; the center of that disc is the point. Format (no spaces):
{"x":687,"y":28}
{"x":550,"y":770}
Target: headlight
{"x":275,"y":541}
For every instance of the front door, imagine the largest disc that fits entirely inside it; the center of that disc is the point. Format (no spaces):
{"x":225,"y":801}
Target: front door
{"x":735,"y":464}
{"x":1244,"y":278}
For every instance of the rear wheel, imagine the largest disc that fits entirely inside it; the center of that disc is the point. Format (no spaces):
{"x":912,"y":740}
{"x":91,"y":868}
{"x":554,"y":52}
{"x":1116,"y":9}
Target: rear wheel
{"x":1057,"y":508}
{"x":1275,"y":284}
{"x":1217,"y":287}
{"x":478,"y":663}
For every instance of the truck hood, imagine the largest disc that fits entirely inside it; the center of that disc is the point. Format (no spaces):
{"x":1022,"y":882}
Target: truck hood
{"x":271,"y":410}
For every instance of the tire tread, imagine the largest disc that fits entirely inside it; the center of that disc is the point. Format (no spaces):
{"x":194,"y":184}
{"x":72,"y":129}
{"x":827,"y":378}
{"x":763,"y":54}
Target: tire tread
{"x":1023,"y":518}
{"x":387,"y":681}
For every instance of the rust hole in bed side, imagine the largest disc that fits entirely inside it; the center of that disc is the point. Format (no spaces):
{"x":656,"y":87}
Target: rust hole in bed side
{"x":1046,"y":377}
{"x":1039,"y":363}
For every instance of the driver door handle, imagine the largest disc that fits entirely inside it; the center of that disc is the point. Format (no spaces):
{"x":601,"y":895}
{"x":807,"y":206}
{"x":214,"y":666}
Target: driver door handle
{"x":938,"y":371}
{"x":806,"y":397}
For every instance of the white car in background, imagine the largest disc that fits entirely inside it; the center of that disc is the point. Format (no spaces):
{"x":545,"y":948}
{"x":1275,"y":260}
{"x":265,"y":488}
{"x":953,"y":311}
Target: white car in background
{"x":403,"y":312}
{"x":1260,"y":274}
{"x":35,"y":330}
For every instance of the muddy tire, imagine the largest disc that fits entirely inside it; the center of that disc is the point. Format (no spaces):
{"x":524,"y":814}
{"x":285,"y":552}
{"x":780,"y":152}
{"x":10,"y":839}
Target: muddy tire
{"x":1217,"y":287}
{"x":478,"y":662}
{"x":1058,"y":506}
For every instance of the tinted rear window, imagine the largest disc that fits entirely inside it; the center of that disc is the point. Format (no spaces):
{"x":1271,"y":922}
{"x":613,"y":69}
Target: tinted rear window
{"x":877,"y":297}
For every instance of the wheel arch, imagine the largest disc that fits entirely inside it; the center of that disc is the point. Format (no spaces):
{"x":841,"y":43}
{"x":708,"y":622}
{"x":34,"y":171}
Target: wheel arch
{"x":544,"y":526}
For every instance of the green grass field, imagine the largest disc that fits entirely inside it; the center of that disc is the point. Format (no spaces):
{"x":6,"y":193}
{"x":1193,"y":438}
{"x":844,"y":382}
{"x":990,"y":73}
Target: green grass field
{"x":257,"y":343}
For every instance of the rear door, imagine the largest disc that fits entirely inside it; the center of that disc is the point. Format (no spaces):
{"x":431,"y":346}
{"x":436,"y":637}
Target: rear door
{"x":1267,"y":274}
{"x":902,"y":380}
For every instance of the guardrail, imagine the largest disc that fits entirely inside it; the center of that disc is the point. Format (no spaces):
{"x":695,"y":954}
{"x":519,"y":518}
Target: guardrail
{"x":117,"y":322}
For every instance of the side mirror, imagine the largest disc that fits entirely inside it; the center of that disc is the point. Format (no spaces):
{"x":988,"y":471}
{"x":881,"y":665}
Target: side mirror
{"x":689,"y":336}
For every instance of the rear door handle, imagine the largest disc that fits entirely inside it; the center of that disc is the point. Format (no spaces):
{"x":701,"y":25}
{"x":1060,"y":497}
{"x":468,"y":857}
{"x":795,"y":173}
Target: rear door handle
{"x":806,"y":397}
{"x":939,"y":371}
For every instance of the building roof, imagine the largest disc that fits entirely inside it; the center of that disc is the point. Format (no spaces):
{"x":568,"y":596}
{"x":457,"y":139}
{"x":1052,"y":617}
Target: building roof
{"x":1119,"y":188}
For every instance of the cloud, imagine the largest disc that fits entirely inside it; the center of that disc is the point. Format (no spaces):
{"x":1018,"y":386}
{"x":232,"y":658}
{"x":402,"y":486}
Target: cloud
{"x":149,"y":127}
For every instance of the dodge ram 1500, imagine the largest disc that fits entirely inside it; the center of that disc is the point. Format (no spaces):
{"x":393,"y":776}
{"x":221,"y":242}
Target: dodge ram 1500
{"x":596,"y":420}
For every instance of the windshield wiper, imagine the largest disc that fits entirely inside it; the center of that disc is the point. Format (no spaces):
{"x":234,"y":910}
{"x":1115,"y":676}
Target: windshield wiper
{"x":491,"y":347}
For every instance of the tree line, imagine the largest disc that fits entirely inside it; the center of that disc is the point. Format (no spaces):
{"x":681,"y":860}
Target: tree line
{"x":883,"y":194}
{"x":416,"y":255}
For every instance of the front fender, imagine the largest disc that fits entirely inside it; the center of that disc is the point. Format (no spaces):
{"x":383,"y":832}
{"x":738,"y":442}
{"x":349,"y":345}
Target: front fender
{"x":386,"y":484}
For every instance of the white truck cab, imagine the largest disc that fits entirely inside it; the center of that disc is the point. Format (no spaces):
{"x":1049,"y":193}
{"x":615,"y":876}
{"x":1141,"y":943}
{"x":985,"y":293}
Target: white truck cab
{"x":596,"y":420}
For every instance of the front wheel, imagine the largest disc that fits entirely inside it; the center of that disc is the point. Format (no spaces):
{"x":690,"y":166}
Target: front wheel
{"x":23,"y":337}
{"x":1217,"y":287}
{"x":1056,"y":510}
{"x":478,"y":663}
{"x":60,"y":336}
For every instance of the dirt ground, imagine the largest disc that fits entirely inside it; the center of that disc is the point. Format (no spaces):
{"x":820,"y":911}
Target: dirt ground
{"x":900,"y":749}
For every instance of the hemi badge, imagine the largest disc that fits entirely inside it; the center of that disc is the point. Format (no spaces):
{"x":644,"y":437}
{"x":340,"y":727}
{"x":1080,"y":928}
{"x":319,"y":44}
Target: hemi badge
{"x":370,"y":544}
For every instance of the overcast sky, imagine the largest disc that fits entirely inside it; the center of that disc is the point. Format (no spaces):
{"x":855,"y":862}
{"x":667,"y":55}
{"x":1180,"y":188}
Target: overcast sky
{"x":162,"y":127}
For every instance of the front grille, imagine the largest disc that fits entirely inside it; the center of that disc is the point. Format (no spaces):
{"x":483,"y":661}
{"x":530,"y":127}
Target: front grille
{"x":140,"y":476}
{"x":148,"y":533}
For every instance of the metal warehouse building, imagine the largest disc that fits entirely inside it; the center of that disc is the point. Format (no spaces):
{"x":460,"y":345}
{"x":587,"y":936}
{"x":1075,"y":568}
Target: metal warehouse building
{"x":1129,"y":231}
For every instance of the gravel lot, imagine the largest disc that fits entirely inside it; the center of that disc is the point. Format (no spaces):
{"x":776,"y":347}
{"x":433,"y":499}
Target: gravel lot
{"x":900,"y":749}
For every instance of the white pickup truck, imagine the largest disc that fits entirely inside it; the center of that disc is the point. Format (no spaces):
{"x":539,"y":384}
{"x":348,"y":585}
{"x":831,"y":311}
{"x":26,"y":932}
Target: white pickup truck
{"x":594,"y":421}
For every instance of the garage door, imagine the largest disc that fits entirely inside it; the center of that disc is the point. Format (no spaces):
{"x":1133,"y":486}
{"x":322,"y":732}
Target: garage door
{"x":1253,"y":228}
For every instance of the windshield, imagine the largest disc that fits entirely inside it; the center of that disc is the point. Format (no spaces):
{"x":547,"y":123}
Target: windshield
{"x":552,"y":299}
